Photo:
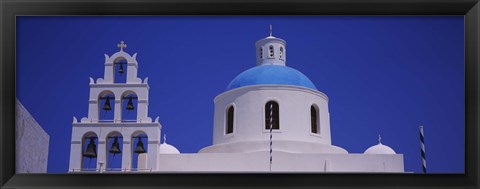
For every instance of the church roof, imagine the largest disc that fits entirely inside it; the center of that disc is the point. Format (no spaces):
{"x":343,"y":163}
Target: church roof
{"x":271,"y":74}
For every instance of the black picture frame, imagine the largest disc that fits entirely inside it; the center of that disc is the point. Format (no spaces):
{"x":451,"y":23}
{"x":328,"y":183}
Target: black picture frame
{"x":9,"y":9}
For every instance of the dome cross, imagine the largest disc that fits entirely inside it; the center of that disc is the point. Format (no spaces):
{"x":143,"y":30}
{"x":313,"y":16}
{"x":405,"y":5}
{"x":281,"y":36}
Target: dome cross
{"x":379,"y":139}
{"x":122,"y":45}
{"x":271,"y":29}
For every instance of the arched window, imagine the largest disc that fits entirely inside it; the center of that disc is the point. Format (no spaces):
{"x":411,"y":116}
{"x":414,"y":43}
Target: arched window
{"x":281,"y":53}
{"x":120,"y":71}
{"x":261,"y":53}
{"x":229,"y":120}
{"x":114,"y":151}
{"x":89,"y":151}
{"x":314,"y":119}
{"x":270,"y":51}
{"x":271,"y":115}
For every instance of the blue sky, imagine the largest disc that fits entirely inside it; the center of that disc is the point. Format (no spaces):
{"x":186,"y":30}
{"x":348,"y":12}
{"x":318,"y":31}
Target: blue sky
{"x":383,"y":75}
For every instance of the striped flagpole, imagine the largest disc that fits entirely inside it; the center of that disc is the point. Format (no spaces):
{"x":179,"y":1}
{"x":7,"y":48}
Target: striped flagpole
{"x":271,"y":127}
{"x":422,"y":144}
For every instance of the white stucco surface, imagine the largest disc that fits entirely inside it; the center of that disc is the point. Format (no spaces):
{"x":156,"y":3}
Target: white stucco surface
{"x":249,"y":131}
{"x":282,"y":162}
{"x":31,"y":148}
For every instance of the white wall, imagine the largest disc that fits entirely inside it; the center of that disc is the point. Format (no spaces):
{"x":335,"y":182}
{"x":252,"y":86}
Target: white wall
{"x":277,"y":145}
{"x":249,"y":118}
{"x":281,"y":162}
{"x":31,"y":148}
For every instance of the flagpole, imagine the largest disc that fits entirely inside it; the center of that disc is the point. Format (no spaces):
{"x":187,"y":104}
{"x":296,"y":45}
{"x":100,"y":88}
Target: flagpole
{"x":271,"y":127}
{"x":422,"y":145}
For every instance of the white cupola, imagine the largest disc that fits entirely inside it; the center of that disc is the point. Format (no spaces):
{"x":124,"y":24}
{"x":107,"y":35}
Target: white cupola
{"x":167,"y":148}
{"x":379,"y":148}
{"x":271,"y":51}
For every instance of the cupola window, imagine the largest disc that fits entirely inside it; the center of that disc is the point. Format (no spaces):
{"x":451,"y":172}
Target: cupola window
{"x":314,"y":119}
{"x":281,"y":53}
{"x":271,"y":115}
{"x":270,"y":51}
{"x":230,"y":118}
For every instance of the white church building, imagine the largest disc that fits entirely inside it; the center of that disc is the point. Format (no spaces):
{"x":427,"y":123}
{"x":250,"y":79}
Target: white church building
{"x":271,"y":118}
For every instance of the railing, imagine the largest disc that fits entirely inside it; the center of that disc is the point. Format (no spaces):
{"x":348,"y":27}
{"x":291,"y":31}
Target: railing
{"x":130,"y":120}
{"x":106,"y":120}
{"x":123,"y":120}
{"x":86,"y":170}
{"x":109,"y":170}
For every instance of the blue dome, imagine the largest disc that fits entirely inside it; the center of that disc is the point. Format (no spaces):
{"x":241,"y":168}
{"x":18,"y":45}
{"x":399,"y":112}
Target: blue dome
{"x":271,"y":74}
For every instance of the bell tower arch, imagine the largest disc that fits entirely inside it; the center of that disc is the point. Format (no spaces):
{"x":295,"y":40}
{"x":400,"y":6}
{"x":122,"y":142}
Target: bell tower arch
{"x":119,"y":107}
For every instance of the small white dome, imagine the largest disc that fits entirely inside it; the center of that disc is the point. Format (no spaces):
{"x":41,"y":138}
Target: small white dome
{"x":168,"y":149}
{"x":379,"y":149}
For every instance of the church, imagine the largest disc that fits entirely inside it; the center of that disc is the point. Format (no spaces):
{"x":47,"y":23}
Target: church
{"x":270,"y":118}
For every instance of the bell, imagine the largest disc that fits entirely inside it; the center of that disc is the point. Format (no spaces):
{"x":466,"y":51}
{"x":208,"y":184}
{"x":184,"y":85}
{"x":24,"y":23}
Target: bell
{"x":130,"y":104}
{"x":140,"y":149}
{"x":107,"y":106}
{"x":91,"y":150}
{"x":115,"y":149}
{"x":121,"y":71}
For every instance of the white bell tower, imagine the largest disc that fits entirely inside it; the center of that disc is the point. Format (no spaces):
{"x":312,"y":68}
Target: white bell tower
{"x":117,"y":121}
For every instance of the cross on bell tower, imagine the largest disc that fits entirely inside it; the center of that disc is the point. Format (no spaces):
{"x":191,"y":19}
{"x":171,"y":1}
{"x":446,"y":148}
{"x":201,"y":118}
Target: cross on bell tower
{"x":122,"y":45}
